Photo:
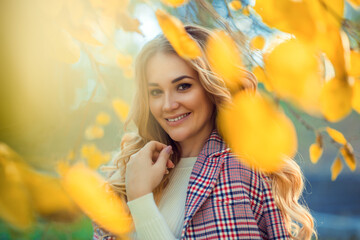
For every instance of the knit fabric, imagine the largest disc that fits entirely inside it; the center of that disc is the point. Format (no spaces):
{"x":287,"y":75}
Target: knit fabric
{"x":166,"y":221}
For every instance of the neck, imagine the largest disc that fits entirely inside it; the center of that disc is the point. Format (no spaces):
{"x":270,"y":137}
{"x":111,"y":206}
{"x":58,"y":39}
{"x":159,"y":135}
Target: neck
{"x":191,"y":147}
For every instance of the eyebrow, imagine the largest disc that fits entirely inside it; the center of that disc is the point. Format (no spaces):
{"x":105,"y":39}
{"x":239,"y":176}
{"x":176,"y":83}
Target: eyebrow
{"x":173,"y":81}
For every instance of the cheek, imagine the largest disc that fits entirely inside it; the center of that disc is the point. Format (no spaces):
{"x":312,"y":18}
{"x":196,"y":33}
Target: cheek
{"x":154,"y":108}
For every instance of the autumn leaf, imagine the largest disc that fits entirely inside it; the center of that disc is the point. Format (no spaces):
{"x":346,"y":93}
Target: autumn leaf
{"x":336,"y":99}
{"x":128,"y":23}
{"x":124,"y":61}
{"x":316,"y":149}
{"x":246,"y":11}
{"x":95,"y":197}
{"x":17,"y":213}
{"x":263,"y":126}
{"x":94,"y":132}
{"x":103,"y":119}
{"x":225,"y":59}
{"x":257,"y":42}
{"x":56,"y":204}
{"x":354,"y":3}
{"x":261,"y":77}
{"x":287,"y":16}
{"x":295,"y":79}
{"x":175,"y":32}
{"x":356,"y":95}
{"x":354,"y":64}
{"x":235,"y":5}
{"x":348,"y":154}
{"x":121,"y":108}
{"x":175,"y":3}
{"x":336,"y":168}
{"x":336,"y":135}
{"x":94,"y":156}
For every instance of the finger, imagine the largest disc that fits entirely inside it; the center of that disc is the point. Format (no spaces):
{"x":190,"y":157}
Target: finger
{"x":154,"y":146}
{"x":163,"y":157}
{"x":155,"y":156}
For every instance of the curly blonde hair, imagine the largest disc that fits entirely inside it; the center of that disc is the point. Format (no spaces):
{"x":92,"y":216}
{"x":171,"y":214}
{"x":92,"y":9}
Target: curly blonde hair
{"x":287,"y":184}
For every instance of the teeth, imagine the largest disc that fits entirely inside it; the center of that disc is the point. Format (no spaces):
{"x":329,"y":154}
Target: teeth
{"x":178,"y":118}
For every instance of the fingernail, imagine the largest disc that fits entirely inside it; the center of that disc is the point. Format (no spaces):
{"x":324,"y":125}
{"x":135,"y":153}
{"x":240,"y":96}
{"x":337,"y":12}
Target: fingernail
{"x":168,"y":149}
{"x":172,"y":165}
{"x":166,"y":172}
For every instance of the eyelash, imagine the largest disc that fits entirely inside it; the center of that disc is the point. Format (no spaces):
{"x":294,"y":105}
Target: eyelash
{"x":182,"y":84}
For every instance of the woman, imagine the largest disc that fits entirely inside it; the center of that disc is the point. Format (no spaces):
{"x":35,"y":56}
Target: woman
{"x":208,"y":193}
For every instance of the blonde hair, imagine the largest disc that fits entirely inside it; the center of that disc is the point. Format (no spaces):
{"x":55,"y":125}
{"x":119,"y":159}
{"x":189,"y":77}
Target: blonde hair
{"x":287,"y":185}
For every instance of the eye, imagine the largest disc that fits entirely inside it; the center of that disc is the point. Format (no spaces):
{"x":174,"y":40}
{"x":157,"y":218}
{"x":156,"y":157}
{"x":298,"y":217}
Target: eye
{"x":184,"y":86}
{"x":155,"y":92}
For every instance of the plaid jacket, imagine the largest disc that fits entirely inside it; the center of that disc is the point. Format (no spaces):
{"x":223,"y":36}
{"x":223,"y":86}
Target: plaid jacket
{"x":226,"y":199}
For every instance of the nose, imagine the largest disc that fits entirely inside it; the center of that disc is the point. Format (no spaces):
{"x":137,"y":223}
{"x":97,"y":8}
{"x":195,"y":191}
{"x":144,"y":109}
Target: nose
{"x":170,"y":103}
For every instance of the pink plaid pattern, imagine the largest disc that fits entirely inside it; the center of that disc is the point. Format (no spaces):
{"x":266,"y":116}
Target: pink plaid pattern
{"x":226,"y":199}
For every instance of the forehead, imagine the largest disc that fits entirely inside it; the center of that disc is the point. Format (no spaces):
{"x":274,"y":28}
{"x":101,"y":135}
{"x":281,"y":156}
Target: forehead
{"x":165,"y":67}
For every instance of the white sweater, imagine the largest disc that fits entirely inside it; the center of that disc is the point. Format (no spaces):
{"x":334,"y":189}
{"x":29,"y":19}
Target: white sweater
{"x":166,"y":221}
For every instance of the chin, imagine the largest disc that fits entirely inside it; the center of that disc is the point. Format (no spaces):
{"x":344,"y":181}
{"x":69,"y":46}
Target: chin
{"x":177,"y":136}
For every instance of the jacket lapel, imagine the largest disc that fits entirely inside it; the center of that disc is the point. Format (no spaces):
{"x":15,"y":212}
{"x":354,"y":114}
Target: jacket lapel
{"x":204,"y":175}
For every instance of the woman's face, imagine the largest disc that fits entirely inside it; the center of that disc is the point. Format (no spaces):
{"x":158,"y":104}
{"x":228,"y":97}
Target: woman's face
{"x":177,"y":99}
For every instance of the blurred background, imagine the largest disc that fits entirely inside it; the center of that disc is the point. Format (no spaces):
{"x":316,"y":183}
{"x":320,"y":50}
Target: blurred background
{"x":66,"y":83}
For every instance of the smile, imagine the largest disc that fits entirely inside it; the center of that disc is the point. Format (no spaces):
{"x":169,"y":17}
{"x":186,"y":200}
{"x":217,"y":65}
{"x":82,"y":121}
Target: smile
{"x":178,"y":118}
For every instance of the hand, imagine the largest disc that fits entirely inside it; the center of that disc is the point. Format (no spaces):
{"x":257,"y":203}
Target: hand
{"x":146,"y":169}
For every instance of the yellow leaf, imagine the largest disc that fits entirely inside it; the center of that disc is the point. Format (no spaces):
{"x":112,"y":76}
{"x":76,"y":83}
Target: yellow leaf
{"x":335,"y":44}
{"x":94,"y":132}
{"x":128,"y":23}
{"x":354,"y":3}
{"x":17,"y":213}
{"x":261,"y":77}
{"x":300,"y":85}
{"x":336,"y":168}
{"x":55,"y":204}
{"x":64,"y":48}
{"x":94,"y":156}
{"x":336,"y":99}
{"x":265,"y":137}
{"x":103,"y":119}
{"x":124,"y":61}
{"x":62,"y":167}
{"x":175,"y":32}
{"x":315,"y":152}
{"x":174,"y":3}
{"x":246,"y":11}
{"x":356,"y":95}
{"x":121,"y":108}
{"x":257,"y":42}
{"x":225,"y":59}
{"x":235,"y":5}
{"x":128,"y":73}
{"x":348,"y":154}
{"x":94,"y":196}
{"x":354,"y":64}
{"x":288,"y":16}
{"x":336,"y":135}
